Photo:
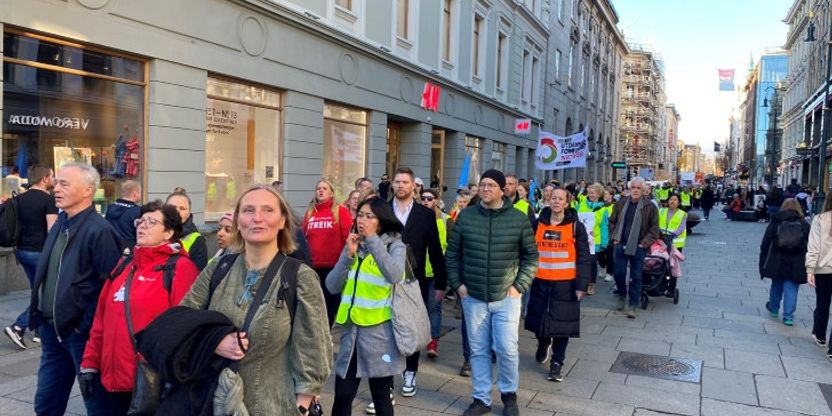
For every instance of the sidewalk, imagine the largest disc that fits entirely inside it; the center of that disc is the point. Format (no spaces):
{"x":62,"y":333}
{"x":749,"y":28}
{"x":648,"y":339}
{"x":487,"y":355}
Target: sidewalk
{"x":751,"y":364}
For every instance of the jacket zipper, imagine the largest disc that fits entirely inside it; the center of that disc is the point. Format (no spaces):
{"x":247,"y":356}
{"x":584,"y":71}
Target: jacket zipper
{"x":488,"y":258}
{"x":354,"y":287}
{"x":57,"y":284}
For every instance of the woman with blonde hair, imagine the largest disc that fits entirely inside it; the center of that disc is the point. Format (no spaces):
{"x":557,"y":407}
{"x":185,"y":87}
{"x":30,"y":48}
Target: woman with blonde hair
{"x":352,"y":203}
{"x":819,"y":271}
{"x":326,"y":226}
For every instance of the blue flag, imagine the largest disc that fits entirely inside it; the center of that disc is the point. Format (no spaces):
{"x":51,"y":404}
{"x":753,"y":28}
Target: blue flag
{"x":463,"y":174}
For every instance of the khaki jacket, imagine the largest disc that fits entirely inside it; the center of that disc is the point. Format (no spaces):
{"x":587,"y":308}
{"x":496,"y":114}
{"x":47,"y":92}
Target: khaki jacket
{"x":819,"y":254}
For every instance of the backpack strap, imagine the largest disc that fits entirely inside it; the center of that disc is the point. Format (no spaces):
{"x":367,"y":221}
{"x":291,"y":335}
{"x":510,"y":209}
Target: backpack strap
{"x":219,"y":273}
{"x":125,"y":261}
{"x":289,"y":285}
{"x":169,"y":270}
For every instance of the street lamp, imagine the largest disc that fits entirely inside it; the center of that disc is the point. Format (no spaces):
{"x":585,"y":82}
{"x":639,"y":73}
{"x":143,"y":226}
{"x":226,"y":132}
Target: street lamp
{"x":810,"y":37}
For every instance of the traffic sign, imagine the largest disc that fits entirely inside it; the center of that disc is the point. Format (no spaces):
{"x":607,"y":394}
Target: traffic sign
{"x":619,"y":165}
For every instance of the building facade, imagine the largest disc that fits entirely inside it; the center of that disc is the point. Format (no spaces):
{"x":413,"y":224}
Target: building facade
{"x":670,"y":169}
{"x":216,"y":95}
{"x":583,"y":82}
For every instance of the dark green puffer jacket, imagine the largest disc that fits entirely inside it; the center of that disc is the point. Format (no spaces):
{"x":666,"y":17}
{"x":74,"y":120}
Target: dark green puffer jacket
{"x":489,"y":250}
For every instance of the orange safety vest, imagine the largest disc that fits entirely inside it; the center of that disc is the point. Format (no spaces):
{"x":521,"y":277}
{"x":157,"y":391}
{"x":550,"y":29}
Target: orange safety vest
{"x":556,"y":252}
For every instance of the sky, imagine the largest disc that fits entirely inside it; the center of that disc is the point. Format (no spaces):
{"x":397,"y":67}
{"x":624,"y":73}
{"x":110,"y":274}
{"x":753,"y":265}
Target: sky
{"x":694,"y":38}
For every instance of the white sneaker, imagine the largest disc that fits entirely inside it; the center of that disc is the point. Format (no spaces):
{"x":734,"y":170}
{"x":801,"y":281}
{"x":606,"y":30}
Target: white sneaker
{"x":608,"y":278}
{"x":409,"y":384}
{"x":371,"y":408}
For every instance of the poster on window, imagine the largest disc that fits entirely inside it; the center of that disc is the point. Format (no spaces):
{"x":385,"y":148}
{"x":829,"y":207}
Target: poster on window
{"x":588,"y":220}
{"x":347,"y":145}
{"x":64,"y":155}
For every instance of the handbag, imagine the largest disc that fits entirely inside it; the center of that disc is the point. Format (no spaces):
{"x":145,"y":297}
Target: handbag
{"x":411,"y":327}
{"x":148,"y":384}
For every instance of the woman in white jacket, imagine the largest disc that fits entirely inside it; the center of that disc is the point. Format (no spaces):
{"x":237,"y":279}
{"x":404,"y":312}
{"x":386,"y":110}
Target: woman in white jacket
{"x":819,"y":270}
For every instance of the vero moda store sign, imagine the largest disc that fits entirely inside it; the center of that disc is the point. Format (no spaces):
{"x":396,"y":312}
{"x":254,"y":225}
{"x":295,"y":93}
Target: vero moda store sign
{"x":69,"y":123}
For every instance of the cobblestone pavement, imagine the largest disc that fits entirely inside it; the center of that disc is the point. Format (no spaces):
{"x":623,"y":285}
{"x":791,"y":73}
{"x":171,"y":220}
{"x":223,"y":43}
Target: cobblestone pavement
{"x":751,"y":364}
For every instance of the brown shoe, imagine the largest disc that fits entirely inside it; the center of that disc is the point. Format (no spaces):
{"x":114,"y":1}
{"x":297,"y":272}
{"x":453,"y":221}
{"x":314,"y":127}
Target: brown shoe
{"x":591,"y":289}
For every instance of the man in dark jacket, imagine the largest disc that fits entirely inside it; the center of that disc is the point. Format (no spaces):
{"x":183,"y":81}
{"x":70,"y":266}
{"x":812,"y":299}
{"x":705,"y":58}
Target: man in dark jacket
{"x":79,"y":253}
{"x":124,"y":211}
{"x":634,"y":225}
{"x":492,"y":259}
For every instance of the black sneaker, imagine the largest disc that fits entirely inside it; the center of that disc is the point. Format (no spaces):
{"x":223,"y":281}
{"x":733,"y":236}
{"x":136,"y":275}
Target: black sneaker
{"x":510,"y":404}
{"x":15,"y":333}
{"x":477,"y":408}
{"x":555,"y":373}
{"x":820,"y":341}
{"x":465,"y":371}
{"x":544,"y":349}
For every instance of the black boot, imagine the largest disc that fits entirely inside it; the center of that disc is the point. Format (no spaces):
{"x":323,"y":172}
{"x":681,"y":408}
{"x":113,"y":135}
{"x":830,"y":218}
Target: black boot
{"x":555,"y":373}
{"x":510,"y":404}
{"x":543,"y":350}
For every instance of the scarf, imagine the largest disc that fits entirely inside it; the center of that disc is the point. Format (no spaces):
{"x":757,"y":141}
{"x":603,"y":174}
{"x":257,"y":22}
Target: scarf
{"x":635,"y":229}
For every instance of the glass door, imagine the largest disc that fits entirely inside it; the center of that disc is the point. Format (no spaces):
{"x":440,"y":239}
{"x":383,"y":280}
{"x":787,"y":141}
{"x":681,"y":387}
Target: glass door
{"x":437,"y":161}
{"x":394,"y":148}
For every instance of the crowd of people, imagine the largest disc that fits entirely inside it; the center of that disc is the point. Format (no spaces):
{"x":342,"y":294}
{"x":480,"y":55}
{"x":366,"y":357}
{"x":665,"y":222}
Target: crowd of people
{"x":120,"y":300}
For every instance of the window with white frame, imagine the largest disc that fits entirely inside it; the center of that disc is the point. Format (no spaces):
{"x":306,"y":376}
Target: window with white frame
{"x":476,"y":45}
{"x":502,"y":60}
{"x":582,"y":77}
{"x":535,"y":77}
{"x":447,"y":21}
{"x":525,"y":76}
{"x":570,"y":62}
{"x":402,"y":16}
{"x":346,"y":4}
{"x":558,"y":59}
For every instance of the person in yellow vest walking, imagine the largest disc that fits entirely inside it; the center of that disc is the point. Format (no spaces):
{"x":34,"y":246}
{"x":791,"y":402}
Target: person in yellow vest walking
{"x":685,"y":199}
{"x":372,"y":261}
{"x":563,"y":273}
{"x":591,"y":212}
{"x":673,"y":220}
{"x":520,"y":204}
{"x":192,"y":241}
{"x":430,"y":198}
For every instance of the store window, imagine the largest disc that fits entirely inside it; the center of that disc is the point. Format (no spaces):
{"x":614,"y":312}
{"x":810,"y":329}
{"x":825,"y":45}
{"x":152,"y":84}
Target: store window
{"x":345,"y":136}
{"x":498,"y":157}
{"x":242,"y":142}
{"x":473,"y":147}
{"x":65,"y":102}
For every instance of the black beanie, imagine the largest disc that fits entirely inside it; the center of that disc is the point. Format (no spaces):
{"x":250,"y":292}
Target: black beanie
{"x":496,"y":176}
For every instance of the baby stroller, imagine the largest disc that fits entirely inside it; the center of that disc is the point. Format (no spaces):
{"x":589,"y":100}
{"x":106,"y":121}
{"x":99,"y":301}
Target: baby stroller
{"x":657,"y":271}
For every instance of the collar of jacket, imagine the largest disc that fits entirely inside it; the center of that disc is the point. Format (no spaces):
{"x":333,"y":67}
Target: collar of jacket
{"x":189,"y":226}
{"x":505,"y":207}
{"x":143,"y":256}
{"x":67,"y":223}
{"x":569,"y":216}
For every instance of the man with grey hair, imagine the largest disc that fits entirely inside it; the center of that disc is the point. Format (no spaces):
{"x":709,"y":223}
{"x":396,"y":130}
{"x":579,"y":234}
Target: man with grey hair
{"x":124,"y":211}
{"x":80,"y":251}
{"x":633,"y":227}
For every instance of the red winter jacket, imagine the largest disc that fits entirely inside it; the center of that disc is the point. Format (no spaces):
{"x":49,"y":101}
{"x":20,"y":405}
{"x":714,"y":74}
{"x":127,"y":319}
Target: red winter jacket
{"x":109,"y":349}
{"x":326,"y":238}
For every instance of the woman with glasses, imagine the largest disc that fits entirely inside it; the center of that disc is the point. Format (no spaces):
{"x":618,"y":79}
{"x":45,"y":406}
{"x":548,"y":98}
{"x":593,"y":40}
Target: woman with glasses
{"x":109,"y":364}
{"x":371,"y":263}
{"x":284,"y":357}
{"x":192,"y":240}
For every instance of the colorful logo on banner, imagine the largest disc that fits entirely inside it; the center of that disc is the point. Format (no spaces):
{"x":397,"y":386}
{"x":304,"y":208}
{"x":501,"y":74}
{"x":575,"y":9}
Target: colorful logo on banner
{"x":726,"y":79}
{"x":430,"y":97}
{"x":556,"y":152}
{"x":522,"y":126}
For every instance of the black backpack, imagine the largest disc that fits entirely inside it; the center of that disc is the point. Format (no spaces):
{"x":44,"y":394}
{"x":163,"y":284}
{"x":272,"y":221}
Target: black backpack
{"x":168,"y":269}
{"x":790,"y":235}
{"x":10,"y":223}
{"x":288,"y":281}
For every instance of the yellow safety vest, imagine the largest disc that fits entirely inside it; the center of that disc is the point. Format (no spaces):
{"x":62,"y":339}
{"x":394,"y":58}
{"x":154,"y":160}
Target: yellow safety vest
{"x":675,"y":222}
{"x":522,"y":205}
{"x":583,"y":206}
{"x":189,"y":240}
{"x":685,"y":197}
{"x":664,"y":194}
{"x":367,"y":295}
{"x":443,"y":240}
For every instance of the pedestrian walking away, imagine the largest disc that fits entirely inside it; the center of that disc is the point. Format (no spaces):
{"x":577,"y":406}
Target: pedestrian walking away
{"x":124,"y":212}
{"x":783,"y":258}
{"x":563,"y":273}
{"x":819,"y":271}
{"x":492,"y":259}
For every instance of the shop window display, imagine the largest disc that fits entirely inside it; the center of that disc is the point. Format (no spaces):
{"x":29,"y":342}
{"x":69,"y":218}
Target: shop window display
{"x":63,"y":102}
{"x":242,"y":142}
{"x":345,"y":136}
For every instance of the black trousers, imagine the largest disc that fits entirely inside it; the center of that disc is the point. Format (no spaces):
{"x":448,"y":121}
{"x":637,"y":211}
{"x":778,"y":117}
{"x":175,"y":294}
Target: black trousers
{"x":823,"y":296}
{"x":332,"y":300}
{"x":381,"y":390}
{"x":558,"y":347}
{"x":593,"y":274}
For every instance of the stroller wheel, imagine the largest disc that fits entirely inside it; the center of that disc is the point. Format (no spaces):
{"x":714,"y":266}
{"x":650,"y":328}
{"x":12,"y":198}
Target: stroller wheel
{"x":676,"y":296}
{"x":644,"y":300}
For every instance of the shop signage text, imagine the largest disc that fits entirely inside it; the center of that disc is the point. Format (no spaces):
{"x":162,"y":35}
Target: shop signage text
{"x":74,"y":123}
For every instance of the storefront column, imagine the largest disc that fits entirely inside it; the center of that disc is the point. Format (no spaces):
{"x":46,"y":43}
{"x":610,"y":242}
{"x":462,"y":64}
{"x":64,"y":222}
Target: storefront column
{"x":521,"y":165}
{"x":416,"y":149}
{"x":511,"y":159}
{"x":487,"y":151}
{"x":303,"y":127}
{"x":377,"y":146}
{"x":176,"y":126}
{"x":454,"y":159}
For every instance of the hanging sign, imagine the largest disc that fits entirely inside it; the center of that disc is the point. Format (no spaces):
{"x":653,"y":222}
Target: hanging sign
{"x":522,"y":126}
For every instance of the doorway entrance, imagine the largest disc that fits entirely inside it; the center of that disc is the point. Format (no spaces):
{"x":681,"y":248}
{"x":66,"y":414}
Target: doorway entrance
{"x":437,"y":161}
{"x":394,"y":148}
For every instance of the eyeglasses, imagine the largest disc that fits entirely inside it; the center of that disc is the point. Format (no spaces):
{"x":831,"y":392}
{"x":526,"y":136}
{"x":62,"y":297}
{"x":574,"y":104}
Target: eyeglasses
{"x":251,"y":279}
{"x":362,"y":215}
{"x":488,"y":185}
{"x":151,"y":222}
{"x":428,"y":198}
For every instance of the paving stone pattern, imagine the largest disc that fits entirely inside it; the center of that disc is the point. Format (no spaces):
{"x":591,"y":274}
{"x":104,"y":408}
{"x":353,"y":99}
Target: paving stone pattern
{"x":752,"y":364}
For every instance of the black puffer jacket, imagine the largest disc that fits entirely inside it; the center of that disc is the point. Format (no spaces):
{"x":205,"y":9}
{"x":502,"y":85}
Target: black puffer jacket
{"x":199,"y":250}
{"x":554,"y":309}
{"x":490,"y":250}
{"x":121,"y":215}
{"x":779,"y":264}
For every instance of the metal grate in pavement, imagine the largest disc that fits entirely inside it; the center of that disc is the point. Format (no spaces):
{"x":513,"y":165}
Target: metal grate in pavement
{"x":657,"y":366}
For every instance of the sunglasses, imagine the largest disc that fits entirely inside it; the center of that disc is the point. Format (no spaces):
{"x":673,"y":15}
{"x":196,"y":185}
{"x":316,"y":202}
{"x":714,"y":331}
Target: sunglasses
{"x":427,"y":198}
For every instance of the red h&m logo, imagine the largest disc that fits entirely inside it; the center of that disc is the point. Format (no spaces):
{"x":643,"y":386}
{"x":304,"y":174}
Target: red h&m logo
{"x":430,"y":97}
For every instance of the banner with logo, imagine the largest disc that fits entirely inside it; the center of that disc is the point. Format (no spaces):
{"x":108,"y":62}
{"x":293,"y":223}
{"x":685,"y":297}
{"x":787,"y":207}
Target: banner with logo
{"x":726,"y":79}
{"x":556,"y":152}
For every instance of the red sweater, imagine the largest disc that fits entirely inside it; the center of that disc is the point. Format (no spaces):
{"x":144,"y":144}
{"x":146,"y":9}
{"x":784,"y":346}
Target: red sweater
{"x":109,"y":349}
{"x":326,"y":238}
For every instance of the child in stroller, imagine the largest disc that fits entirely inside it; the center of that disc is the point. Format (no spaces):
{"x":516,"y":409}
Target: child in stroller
{"x":659,"y":270}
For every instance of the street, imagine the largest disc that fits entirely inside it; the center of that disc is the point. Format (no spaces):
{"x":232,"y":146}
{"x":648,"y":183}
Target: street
{"x":751,"y":364}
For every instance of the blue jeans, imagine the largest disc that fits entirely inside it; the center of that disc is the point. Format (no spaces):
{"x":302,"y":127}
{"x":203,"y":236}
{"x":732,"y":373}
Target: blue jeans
{"x":466,"y":348}
{"x":60,"y":362}
{"x":636,"y":263}
{"x":29,"y":261}
{"x":772,"y":211}
{"x":786,"y":290}
{"x":493,"y":325}
{"x":434,"y":311}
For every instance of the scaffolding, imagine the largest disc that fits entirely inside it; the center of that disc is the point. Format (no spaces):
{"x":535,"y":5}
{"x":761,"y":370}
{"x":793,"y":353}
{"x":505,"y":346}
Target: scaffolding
{"x":642,"y":109}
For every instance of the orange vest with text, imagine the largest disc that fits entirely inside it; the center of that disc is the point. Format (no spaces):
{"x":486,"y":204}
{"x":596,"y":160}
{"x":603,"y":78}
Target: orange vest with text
{"x":556,"y":252}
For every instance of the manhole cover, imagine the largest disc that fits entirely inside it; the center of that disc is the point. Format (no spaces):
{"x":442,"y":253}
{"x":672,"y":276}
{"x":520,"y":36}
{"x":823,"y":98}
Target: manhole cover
{"x":657,"y":366}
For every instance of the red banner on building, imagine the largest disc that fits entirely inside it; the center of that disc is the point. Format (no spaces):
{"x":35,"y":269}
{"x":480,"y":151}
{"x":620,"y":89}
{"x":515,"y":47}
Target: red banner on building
{"x":430,"y":97}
